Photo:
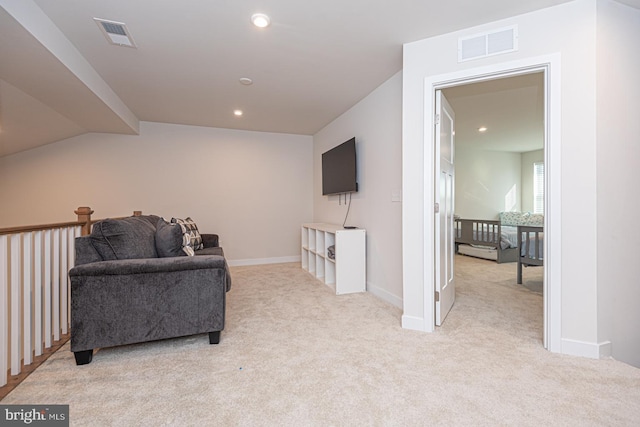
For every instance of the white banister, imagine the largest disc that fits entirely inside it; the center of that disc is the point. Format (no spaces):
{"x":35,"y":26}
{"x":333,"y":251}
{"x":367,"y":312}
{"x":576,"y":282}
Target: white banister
{"x":34,"y":293}
{"x":35,"y":290}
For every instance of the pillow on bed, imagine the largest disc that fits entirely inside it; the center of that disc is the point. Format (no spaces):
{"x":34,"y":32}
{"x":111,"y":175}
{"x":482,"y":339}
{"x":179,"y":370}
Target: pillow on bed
{"x":535,"y":220}
{"x":512,"y":218}
{"x":521,"y":218}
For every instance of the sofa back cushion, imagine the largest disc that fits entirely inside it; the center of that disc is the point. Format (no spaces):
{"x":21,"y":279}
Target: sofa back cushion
{"x":85,"y":251}
{"x":128,"y":238}
{"x":170,"y":240}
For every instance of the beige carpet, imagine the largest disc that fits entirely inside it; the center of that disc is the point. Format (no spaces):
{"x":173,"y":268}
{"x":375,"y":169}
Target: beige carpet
{"x":294,"y":354}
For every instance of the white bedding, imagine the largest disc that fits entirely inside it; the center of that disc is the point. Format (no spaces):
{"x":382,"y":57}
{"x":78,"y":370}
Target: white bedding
{"x":532,"y":247}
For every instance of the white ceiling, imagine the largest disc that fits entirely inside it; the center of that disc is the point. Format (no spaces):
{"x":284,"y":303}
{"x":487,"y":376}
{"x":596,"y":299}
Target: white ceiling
{"x":59,"y":77}
{"x":512,"y":110}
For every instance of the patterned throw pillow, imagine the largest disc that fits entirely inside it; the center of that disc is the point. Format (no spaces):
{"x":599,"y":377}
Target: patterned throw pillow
{"x":192,"y":239}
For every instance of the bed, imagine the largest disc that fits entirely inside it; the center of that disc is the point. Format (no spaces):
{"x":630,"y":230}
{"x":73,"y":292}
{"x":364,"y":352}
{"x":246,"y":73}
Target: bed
{"x":493,"y":239}
{"x":487,"y":239}
{"x":530,"y":242}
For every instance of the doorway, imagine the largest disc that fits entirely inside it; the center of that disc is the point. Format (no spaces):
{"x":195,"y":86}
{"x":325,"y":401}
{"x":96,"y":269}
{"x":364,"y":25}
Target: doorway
{"x":499,"y":149}
{"x":549,"y":65}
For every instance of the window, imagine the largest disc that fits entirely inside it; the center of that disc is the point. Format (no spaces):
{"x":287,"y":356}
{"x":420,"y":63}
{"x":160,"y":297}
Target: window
{"x":538,"y":188}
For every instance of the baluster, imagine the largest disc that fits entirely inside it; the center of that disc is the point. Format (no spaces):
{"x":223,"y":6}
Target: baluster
{"x":27,"y":285}
{"x":37,"y":294}
{"x":4,"y":310}
{"x":15,"y":304}
{"x":55,"y":299}
{"x":47,"y":289}
{"x":63,"y":279}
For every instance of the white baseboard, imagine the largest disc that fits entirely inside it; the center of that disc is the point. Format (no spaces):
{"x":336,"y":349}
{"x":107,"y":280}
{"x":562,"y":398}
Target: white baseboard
{"x":605,"y":349}
{"x":412,"y":323}
{"x":384,"y":295}
{"x":590,"y":350}
{"x":259,"y":261}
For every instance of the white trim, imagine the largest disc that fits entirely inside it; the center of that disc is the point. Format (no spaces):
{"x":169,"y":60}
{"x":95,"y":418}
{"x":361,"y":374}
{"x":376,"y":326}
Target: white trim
{"x":550,"y":64}
{"x":605,"y":349}
{"x":260,"y":261}
{"x":553,"y":207}
{"x":413,"y":323}
{"x":591,"y":350}
{"x":384,"y":295}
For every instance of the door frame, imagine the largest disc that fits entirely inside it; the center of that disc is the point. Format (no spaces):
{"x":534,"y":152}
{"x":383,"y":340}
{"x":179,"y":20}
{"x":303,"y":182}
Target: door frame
{"x":550,"y":66}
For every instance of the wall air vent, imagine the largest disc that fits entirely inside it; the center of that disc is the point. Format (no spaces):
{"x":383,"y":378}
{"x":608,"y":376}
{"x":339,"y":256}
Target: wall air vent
{"x":488,"y":44}
{"x":115,"y":32}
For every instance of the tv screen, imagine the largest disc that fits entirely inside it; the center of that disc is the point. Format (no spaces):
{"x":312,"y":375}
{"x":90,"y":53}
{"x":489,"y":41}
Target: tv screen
{"x":339,"y":169}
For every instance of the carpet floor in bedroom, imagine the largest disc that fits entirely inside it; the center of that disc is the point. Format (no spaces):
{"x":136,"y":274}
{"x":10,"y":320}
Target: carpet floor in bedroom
{"x":294,"y":354}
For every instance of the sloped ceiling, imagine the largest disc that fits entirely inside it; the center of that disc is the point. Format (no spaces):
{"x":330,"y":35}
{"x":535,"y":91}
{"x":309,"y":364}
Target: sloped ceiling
{"x":59,"y":77}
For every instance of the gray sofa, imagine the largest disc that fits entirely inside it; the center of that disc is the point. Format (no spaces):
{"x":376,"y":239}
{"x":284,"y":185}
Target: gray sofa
{"x":134,"y":282}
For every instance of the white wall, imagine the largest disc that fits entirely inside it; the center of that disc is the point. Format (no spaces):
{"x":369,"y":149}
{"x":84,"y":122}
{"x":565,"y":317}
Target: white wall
{"x":528,"y":159}
{"x":252,"y":188}
{"x":566,"y":32}
{"x":618,"y":153}
{"x":376,"y":123}
{"x":483,"y":181}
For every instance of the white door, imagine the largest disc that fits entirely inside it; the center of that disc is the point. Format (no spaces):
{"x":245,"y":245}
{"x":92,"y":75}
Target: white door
{"x":444,"y":191}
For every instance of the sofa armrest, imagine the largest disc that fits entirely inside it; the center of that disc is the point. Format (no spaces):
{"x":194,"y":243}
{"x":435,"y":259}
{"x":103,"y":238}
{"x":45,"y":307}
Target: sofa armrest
{"x":147,"y":265}
{"x":127,"y":301}
{"x":209,"y":240}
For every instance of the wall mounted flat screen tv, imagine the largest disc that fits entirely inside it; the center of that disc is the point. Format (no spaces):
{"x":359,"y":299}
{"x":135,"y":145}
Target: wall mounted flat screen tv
{"x":339,"y":169}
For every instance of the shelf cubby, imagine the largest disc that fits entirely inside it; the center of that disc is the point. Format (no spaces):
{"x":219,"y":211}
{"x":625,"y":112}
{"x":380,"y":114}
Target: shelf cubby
{"x":346,"y":273}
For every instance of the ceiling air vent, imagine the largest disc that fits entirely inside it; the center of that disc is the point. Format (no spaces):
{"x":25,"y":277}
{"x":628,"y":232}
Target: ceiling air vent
{"x":115,"y":32}
{"x":487,"y":44}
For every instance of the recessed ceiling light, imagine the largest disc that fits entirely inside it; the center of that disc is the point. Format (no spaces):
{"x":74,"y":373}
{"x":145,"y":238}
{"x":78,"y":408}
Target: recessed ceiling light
{"x":260,"y":20}
{"x":237,"y":113}
{"x":246,"y":81}
{"x":482,"y":129}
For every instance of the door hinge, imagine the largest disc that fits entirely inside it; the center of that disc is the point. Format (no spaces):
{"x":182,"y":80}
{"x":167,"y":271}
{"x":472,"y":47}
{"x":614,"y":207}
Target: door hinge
{"x":437,"y":296}
{"x":437,"y":208}
{"x":437,"y":119}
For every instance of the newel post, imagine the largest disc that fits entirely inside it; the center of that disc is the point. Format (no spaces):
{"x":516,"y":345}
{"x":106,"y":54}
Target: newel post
{"x":84,"y":215}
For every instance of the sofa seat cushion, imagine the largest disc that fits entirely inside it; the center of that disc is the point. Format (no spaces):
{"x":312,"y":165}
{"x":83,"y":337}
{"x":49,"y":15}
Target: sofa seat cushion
{"x":127,"y":238}
{"x":216,"y":250}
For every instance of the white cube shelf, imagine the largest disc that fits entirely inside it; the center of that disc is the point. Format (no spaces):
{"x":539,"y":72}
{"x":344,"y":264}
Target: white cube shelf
{"x":347,"y":272}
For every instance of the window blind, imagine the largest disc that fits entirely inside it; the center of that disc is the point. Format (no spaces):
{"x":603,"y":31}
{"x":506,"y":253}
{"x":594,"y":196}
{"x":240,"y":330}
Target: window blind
{"x":538,"y":187}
